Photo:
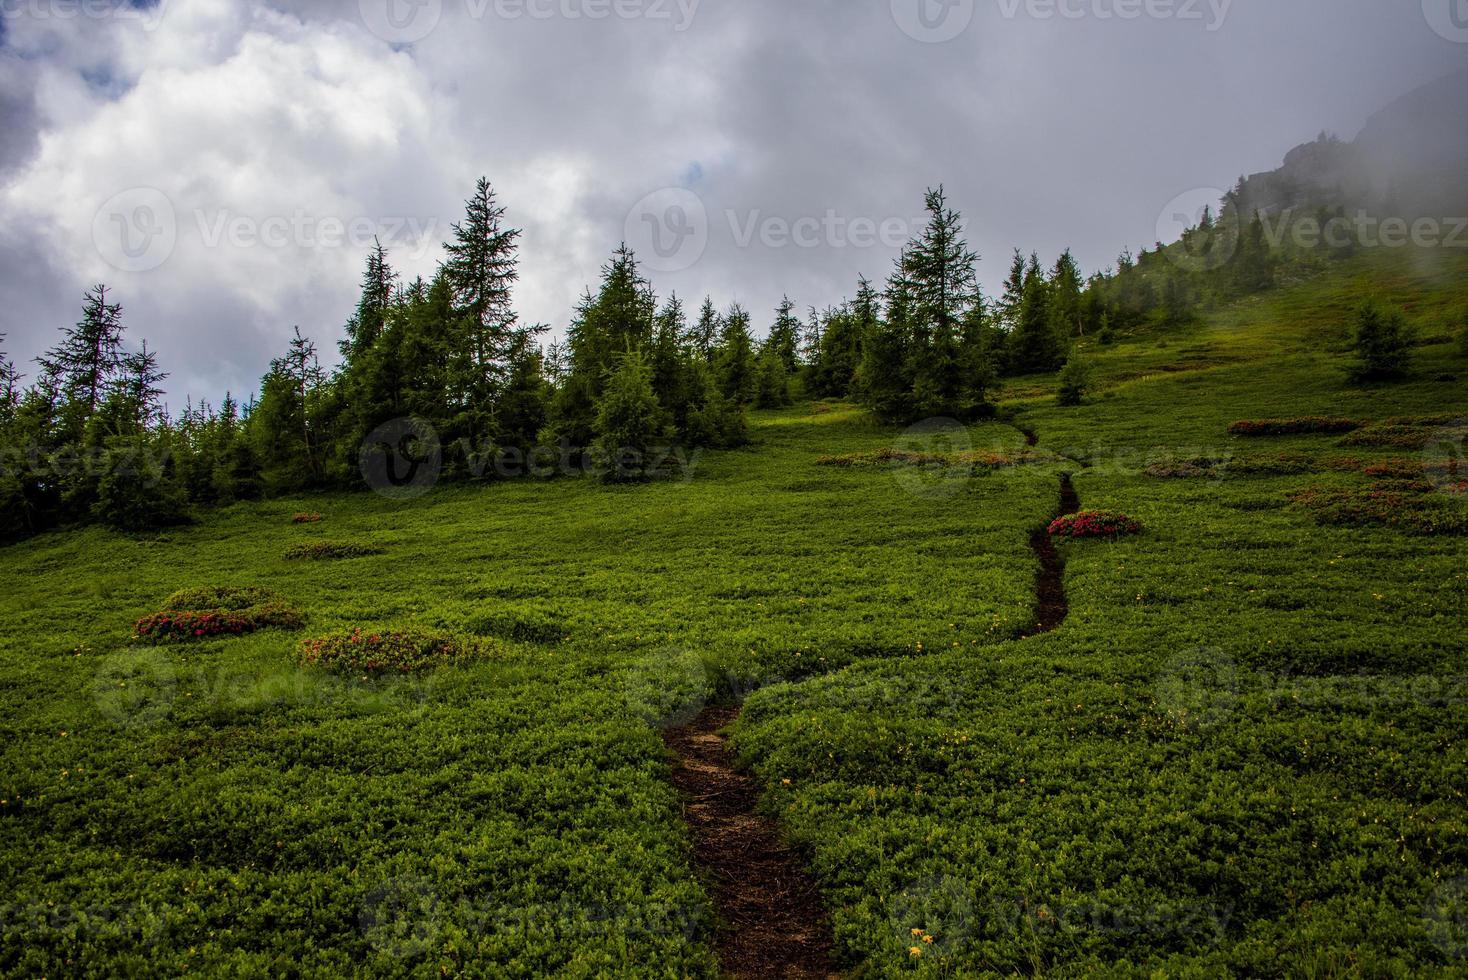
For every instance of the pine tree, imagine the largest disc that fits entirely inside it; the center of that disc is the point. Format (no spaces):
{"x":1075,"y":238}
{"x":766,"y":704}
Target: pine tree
{"x":941,"y":268}
{"x":669,"y":370}
{"x":1065,"y":296}
{"x":1034,"y":344}
{"x":139,"y":386}
{"x":379,"y":284}
{"x":1382,"y":343}
{"x":736,"y":364}
{"x":704,"y":337}
{"x":1075,"y":379}
{"x":524,"y":403}
{"x":618,"y":319}
{"x":629,"y":419}
{"x":86,"y":362}
{"x":1012,"y":301}
{"x":884,"y":381}
{"x":772,"y":389}
{"x":9,"y":386}
{"x":481,"y":268}
{"x":784,"y":336}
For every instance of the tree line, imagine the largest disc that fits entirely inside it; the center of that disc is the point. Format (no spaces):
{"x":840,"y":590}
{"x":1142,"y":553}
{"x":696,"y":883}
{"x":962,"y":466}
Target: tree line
{"x":90,"y":439}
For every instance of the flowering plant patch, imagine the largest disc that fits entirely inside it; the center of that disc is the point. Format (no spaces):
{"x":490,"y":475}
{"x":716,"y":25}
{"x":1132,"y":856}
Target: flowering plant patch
{"x":204,"y":612}
{"x":311,"y":518}
{"x":403,"y":651}
{"x":1311,"y":425}
{"x":329,"y":550}
{"x":1094,"y":524}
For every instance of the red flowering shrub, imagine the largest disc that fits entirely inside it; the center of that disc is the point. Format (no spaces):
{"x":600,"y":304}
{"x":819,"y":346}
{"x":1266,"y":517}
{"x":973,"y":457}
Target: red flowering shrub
{"x":307,"y":519}
{"x":195,"y":614}
{"x":1294,"y":427}
{"x":1094,"y":524}
{"x":405,"y":651}
{"x":329,"y":550}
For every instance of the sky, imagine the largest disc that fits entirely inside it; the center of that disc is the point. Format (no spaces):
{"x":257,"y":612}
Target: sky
{"x":224,"y":165}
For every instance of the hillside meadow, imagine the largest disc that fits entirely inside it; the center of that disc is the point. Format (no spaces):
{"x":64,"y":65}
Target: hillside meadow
{"x":1241,"y":754}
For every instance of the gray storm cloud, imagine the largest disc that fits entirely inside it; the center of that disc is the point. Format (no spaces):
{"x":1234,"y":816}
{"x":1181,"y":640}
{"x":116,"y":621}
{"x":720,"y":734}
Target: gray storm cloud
{"x":275,"y":140}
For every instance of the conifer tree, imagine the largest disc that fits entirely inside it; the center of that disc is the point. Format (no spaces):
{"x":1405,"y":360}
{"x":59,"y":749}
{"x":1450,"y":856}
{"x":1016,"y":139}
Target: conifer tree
{"x":85,"y":363}
{"x":784,"y":336}
{"x":1012,"y":300}
{"x":736,"y":364}
{"x":139,"y":386}
{"x":379,"y":283}
{"x":772,"y":388}
{"x":1034,"y":344}
{"x":629,"y":419}
{"x":9,"y":386}
{"x":704,"y":337}
{"x":1065,"y":296}
{"x":481,"y":269}
{"x":618,"y":319}
{"x":668,"y":361}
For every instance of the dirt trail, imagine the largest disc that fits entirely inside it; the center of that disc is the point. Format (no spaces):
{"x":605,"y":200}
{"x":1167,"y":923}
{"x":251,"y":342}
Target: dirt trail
{"x":1051,"y":604}
{"x":771,"y":921}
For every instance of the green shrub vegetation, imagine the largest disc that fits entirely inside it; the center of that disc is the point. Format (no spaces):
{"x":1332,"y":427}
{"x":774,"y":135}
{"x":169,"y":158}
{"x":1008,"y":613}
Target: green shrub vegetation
{"x":1240,"y":755}
{"x":406,"y":651}
{"x":330,"y":551}
{"x":208,"y":611}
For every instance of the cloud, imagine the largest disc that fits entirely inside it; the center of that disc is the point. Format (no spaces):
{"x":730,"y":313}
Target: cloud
{"x":274,"y":139}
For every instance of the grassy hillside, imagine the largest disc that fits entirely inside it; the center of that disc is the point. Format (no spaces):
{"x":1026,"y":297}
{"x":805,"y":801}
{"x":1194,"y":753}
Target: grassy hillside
{"x":1241,"y":753}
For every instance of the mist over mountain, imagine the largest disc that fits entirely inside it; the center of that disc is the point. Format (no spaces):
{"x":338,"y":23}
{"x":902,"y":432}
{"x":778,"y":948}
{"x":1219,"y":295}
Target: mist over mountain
{"x":1410,"y":160}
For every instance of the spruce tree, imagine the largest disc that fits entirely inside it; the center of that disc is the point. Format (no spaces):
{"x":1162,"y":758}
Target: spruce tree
{"x":139,"y":386}
{"x":784,"y":336}
{"x":736,"y":363}
{"x":1034,"y":344}
{"x":379,"y":283}
{"x":85,"y":363}
{"x":619,"y":318}
{"x":629,"y":419}
{"x":704,"y":337}
{"x":773,"y":381}
{"x":669,"y":362}
{"x":1065,"y":296}
{"x":884,"y":381}
{"x":1012,"y":300}
{"x":481,"y":269}
{"x":1382,"y":343}
{"x":9,"y":386}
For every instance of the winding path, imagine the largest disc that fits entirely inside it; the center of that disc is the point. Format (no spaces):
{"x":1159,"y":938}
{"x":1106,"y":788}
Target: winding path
{"x":770,"y":919}
{"x":771,"y":923}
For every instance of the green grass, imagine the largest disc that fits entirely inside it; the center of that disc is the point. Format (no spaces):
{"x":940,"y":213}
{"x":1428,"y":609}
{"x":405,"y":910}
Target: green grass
{"x":1241,"y":754}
